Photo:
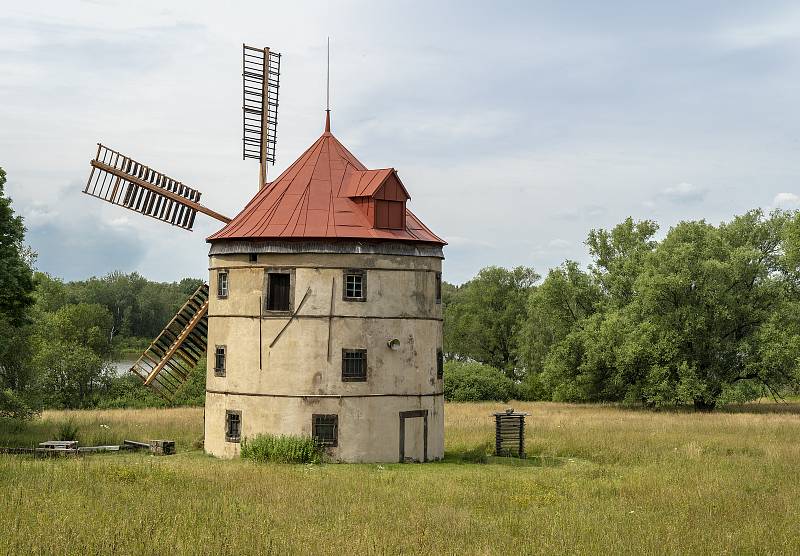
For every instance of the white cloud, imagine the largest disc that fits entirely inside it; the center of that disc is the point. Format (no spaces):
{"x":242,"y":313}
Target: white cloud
{"x":559,"y":243}
{"x":757,"y":34}
{"x":786,"y":201}
{"x":581,"y":123}
{"x":683,"y":193}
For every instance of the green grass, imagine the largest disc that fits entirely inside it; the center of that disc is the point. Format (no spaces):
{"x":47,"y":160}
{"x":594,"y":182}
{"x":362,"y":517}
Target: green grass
{"x":598,"y":480}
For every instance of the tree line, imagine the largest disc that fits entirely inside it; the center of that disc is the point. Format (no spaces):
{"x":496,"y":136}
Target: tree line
{"x":707,"y":314}
{"x":57,"y":338}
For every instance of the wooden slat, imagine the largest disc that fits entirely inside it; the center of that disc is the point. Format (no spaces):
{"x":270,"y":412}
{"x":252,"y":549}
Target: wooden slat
{"x":167,"y":363}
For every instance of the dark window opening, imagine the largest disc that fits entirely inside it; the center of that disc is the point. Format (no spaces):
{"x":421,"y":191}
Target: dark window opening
{"x":438,"y":287}
{"x":355,"y":285}
{"x":439,"y":364}
{"x":233,"y":425}
{"x":325,"y":429}
{"x":222,"y":283}
{"x":278,"y":293}
{"x":354,"y":365}
{"x":219,"y":361}
{"x":389,"y":214}
{"x":253,"y":258}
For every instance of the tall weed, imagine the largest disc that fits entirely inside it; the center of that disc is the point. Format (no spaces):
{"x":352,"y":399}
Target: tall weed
{"x":281,"y":449}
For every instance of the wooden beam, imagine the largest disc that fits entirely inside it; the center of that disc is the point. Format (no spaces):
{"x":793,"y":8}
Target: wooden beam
{"x":300,"y":306}
{"x":161,"y":191}
{"x":262,"y":167}
{"x":330,"y":316}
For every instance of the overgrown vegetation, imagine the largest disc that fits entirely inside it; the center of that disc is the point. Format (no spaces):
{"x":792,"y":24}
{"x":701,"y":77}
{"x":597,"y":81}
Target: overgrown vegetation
{"x":610,"y":481}
{"x":56,"y":338}
{"x":475,"y":382}
{"x":706,"y":315}
{"x":265,"y":448}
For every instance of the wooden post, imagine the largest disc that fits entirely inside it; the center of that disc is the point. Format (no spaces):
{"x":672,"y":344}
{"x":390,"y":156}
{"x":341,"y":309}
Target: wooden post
{"x":262,"y":167}
{"x":330,"y":317}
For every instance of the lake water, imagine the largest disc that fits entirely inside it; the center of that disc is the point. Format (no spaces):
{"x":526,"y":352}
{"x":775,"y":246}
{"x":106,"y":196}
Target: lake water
{"x":121,"y":368}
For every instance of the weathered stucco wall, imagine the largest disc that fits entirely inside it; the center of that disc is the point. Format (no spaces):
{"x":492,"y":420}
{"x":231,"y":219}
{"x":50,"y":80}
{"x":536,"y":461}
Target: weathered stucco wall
{"x":278,"y":389}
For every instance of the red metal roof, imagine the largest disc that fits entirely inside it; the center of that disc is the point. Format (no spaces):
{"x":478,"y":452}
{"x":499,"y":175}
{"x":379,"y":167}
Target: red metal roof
{"x":313,"y":198}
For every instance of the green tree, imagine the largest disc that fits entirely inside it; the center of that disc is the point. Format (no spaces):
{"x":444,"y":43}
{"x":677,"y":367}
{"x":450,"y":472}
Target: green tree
{"x":618,"y":256}
{"x":73,"y":375}
{"x":18,"y":392}
{"x":718,"y":302}
{"x":51,"y":293}
{"x":483,"y":317}
{"x":710,"y":309}
{"x":556,"y":307}
{"x":16,"y":273}
{"x":85,"y":324}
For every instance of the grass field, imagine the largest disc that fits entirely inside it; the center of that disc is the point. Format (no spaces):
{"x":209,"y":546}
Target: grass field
{"x":600,"y":480}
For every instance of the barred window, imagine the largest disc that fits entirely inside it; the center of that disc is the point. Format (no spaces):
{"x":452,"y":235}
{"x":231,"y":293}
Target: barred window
{"x":325,"y":429}
{"x":354,"y":365}
{"x":253,"y":257}
{"x":355,"y":285}
{"x":219,"y":361}
{"x":438,"y":288}
{"x":439,"y":364}
{"x":233,"y":425}
{"x":222,"y":283}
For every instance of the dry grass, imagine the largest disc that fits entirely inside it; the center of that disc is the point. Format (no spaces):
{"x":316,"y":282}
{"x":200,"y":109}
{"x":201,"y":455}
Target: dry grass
{"x":602,"y":480}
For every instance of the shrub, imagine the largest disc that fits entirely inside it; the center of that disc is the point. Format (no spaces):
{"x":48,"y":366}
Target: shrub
{"x":281,"y":449}
{"x":67,"y":430}
{"x":13,"y":406}
{"x":474,"y":382}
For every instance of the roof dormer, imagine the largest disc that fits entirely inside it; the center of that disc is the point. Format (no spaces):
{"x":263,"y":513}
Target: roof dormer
{"x":381,"y":196}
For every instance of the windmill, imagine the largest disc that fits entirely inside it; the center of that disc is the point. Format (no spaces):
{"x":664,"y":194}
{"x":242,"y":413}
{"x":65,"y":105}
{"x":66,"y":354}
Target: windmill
{"x":121,"y":180}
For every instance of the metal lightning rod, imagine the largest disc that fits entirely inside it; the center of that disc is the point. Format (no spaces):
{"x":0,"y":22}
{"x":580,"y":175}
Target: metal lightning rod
{"x":328,"y":92}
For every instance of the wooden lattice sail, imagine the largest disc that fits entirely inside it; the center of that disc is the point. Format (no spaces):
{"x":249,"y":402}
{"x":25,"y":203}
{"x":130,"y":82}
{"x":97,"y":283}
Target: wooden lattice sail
{"x":169,"y":360}
{"x":261,"y":72}
{"x":123,"y":181}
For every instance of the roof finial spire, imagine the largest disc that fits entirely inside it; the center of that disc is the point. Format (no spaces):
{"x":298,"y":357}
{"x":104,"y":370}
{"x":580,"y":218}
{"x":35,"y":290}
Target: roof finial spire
{"x":328,"y":92}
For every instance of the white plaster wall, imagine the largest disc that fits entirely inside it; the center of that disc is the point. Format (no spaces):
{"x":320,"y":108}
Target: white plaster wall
{"x":369,"y":428}
{"x":280,"y":390}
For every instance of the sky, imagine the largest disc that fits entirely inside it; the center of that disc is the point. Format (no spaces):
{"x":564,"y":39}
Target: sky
{"x":516,"y":126}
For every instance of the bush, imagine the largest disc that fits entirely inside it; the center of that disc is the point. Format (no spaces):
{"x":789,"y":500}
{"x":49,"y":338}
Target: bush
{"x":475,"y":382}
{"x":13,"y":406}
{"x":533,"y":388}
{"x":281,"y":449}
{"x":67,"y":430}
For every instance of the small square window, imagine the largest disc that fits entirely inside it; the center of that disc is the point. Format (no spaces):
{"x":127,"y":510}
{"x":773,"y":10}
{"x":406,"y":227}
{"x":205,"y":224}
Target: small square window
{"x":325,"y":429}
{"x":253,"y":257}
{"x":219,"y":361}
{"x":355,"y":285}
{"x":438,"y":288}
{"x":222,"y":283}
{"x":439,"y":364}
{"x":233,"y":425}
{"x":354,"y":365}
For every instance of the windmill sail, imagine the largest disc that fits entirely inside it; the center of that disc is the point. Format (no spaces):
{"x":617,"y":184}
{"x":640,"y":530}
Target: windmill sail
{"x":168,"y":362}
{"x":123,"y":181}
{"x":261,"y":72}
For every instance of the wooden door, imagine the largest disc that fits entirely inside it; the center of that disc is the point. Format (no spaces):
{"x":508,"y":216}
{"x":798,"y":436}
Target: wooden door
{"x":414,"y":435}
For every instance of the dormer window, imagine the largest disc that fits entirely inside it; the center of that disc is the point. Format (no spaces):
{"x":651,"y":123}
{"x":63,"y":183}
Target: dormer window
{"x":389,"y":214}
